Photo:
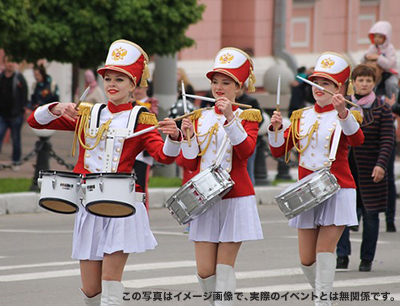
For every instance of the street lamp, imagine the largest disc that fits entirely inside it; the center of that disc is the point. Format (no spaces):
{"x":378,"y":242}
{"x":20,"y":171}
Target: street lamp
{"x":270,"y":85}
{"x":42,"y":149}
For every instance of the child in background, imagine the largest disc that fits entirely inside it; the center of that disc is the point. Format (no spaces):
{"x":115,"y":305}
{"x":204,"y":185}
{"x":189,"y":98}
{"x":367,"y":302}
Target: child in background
{"x":383,"y":53}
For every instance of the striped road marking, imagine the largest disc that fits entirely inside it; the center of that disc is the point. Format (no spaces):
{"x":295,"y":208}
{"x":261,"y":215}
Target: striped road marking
{"x":192,"y":279}
{"x":351,"y":239}
{"x":76,"y":272}
{"x":34,"y":231}
{"x":47,"y":264}
{"x":169,"y":233}
{"x":337,"y":284}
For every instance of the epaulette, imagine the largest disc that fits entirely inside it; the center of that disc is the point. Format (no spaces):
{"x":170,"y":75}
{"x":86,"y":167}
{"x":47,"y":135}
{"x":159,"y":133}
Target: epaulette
{"x":253,"y":115}
{"x":357,"y":115}
{"x":196,"y":114}
{"x":84,"y":108}
{"x":147,"y":118}
{"x":296,"y":115}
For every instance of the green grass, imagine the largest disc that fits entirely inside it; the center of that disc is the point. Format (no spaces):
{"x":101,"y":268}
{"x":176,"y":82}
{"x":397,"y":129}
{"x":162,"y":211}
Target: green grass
{"x":278,"y":181}
{"x":159,"y":182}
{"x":9,"y":185}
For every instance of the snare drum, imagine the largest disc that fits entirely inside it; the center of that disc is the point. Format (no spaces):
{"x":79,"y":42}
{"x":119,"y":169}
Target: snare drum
{"x":60,"y":191}
{"x":307,"y":193}
{"x":199,"y":194}
{"x":110,"y":194}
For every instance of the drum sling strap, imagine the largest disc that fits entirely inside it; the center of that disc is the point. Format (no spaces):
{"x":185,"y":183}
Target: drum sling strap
{"x":335,"y":144}
{"x":221,"y":151}
{"x":112,"y":133}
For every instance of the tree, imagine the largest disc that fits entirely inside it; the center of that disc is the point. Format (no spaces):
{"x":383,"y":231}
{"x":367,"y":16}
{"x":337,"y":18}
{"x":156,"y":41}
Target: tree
{"x":80,"y":32}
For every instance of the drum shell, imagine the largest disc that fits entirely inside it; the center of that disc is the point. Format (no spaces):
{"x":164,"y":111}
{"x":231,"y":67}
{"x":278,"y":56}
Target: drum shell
{"x":60,"y":191}
{"x":109,"y":194}
{"x":307,"y":193}
{"x":199,"y":194}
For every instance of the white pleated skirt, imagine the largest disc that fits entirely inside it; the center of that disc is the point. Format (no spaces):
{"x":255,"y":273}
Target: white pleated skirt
{"x":230,"y":220}
{"x":95,"y":236}
{"x":339,"y":209}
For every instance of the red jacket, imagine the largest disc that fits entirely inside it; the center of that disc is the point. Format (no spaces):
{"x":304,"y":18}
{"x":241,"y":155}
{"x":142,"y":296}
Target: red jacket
{"x":126,"y":150}
{"x":340,"y":167}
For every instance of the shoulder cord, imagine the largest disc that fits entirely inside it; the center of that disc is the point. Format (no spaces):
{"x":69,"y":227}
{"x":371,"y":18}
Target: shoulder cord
{"x":83,"y":125}
{"x":293,"y":131}
{"x":207,"y":136}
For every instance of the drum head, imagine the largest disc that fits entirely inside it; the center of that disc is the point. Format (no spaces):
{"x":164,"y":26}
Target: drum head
{"x":58,"y":205}
{"x":110,"y":209}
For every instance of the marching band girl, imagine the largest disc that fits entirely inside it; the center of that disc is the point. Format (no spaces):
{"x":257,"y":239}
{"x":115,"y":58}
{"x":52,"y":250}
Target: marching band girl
{"x":311,"y":132}
{"x":102,"y":244}
{"x":220,"y":231}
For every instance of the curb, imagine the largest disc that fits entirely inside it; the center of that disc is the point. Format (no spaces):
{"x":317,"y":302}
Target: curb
{"x":27,"y":202}
{"x":19,"y":203}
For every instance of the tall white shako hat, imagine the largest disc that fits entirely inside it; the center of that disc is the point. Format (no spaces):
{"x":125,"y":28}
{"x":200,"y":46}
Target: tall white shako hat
{"x":333,"y":66}
{"x":129,"y":58}
{"x":236,"y":64}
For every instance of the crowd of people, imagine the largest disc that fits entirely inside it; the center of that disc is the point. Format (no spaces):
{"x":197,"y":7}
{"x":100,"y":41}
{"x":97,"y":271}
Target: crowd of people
{"x":15,"y":104}
{"x":362,"y":135}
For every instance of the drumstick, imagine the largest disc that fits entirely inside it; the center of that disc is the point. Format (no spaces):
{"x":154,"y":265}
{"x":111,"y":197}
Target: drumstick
{"x":323,"y":89}
{"x":83,"y":97}
{"x":278,"y":100}
{"x":185,"y":111}
{"x":213,"y":100}
{"x":158,"y":125}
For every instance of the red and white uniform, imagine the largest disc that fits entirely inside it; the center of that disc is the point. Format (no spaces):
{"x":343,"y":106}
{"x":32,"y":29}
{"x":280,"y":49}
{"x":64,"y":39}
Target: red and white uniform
{"x":94,"y":236}
{"x":316,"y":155}
{"x":229,"y":219}
{"x":125,"y":150}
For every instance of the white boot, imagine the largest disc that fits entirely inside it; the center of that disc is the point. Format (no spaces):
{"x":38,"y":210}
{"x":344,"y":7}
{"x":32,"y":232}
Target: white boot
{"x":112,"y":293}
{"x":310,"y":273}
{"x":93,"y":301}
{"x":208,"y":286}
{"x":326,"y":264}
{"x":226,"y":283}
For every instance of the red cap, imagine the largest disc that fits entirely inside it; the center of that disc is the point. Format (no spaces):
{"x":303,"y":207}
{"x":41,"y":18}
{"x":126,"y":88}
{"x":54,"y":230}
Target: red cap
{"x":129,"y":58}
{"x":332,"y":66}
{"x":236,"y":64}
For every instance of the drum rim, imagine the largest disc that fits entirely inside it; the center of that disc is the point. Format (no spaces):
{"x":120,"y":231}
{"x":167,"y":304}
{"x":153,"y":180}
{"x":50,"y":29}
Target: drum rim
{"x":110,"y":175}
{"x":307,"y":179}
{"x":60,"y":200}
{"x":91,"y":203}
{"x":60,"y":173}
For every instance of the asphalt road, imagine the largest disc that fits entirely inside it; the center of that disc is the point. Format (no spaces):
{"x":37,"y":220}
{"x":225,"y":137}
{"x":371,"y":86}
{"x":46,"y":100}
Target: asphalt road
{"x":36,"y":267}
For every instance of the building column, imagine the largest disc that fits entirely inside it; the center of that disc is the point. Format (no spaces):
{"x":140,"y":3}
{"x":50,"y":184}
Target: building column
{"x":165,"y":90}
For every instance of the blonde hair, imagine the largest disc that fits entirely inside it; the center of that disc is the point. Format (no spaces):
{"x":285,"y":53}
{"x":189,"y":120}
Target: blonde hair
{"x":184,"y":76}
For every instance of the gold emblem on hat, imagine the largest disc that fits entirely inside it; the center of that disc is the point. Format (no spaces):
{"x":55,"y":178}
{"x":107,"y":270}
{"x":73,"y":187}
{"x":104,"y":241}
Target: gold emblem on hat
{"x":226,"y":58}
{"x":119,"y":54}
{"x":327,"y":63}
